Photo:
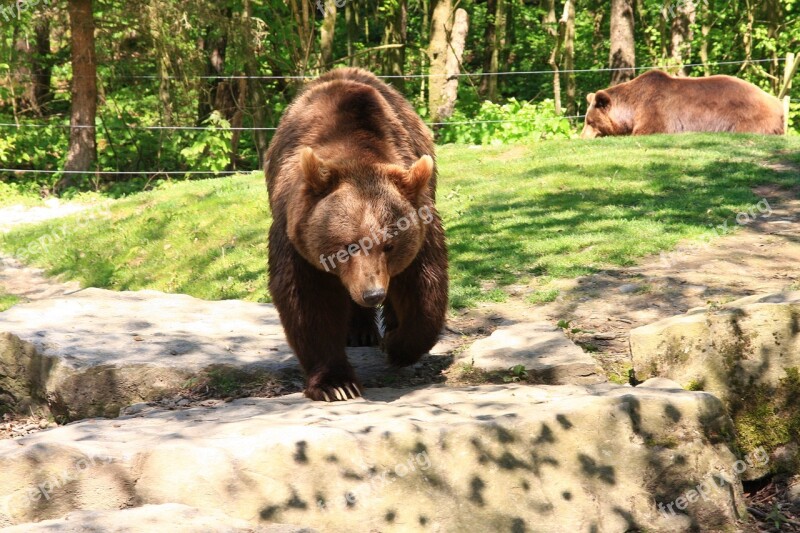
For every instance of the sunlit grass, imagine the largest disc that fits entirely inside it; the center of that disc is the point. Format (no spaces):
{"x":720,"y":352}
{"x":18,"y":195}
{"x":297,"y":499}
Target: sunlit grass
{"x":513,"y":214}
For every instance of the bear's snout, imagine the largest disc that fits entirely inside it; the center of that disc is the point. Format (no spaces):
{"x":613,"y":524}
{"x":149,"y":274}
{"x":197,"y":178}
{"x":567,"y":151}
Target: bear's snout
{"x":373,"y":297}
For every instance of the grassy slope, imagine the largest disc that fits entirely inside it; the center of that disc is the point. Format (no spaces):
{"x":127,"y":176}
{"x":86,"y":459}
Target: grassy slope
{"x":518,"y":214}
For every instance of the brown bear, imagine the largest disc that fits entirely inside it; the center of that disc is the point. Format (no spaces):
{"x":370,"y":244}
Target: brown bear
{"x":656,"y":102}
{"x":352,"y":179}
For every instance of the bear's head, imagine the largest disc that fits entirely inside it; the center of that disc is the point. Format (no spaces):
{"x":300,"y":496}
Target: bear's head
{"x":360,"y":221}
{"x":604,"y":116}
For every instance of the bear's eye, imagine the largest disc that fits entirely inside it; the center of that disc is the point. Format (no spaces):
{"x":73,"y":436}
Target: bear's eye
{"x":388,"y":247}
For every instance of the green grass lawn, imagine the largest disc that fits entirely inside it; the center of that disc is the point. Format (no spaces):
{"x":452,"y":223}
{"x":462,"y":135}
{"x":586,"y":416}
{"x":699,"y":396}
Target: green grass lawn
{"x":513,"y":214}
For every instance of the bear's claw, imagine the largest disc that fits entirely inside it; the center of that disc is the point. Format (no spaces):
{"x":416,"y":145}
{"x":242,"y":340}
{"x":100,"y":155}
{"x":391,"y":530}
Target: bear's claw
{"x":347,"y":391}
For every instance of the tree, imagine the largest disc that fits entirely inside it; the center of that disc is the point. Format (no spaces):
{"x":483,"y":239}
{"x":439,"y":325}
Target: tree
{"x":623,"y":51}
{"x":395,"y":35}
{"x":82,"y":138}
{"x":681,"y":38}
{"x":496,"y":46}
{"x":327,"y":32}
{"x":437,"y":52}
{"x":457,"y":36}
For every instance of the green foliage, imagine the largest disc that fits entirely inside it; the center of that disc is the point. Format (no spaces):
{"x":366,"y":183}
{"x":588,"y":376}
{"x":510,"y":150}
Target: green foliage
{"x":209,"y":147}
{"x":510,"y":122}
{"x":515,"y":374}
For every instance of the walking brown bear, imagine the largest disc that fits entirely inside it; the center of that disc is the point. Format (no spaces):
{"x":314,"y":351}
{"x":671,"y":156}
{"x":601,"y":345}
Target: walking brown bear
{"x":352,"y":180}
{"x":656,"y":102}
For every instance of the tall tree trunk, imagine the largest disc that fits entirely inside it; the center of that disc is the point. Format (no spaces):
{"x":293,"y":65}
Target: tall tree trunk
{"x":705,"y":30}
{"x":773,"y":10}
{"x":215,"y":47}
{"x":747,"y":36}
{"x":498,"y":46}
{"x":552,"y":26}
{"x":455,"y":51}
{"x":257,"y":100}
{"x":623,"y":51}
{"x":352,"y":32}
{"x":326,"y":34}
{"x":489,"y":43}
{"x":598,"y":39}
{"x":437,"y":51}
{"x":682,"y":35}
{"x":569,"y":56}
{"x":42,"y":65}
{"x":82,"y":137}
{"x":395,"y":33}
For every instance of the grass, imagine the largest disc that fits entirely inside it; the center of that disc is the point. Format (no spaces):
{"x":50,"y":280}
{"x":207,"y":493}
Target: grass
{"x":7,"y":300}
{"x":513,"y":214}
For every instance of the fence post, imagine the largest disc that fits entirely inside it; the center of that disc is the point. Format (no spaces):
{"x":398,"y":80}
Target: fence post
{"x":789,"y":70}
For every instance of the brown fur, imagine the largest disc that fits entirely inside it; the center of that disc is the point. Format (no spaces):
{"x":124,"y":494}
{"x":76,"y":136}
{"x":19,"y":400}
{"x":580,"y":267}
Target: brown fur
{"x":656,"y":102}
{"x":350,"y":158}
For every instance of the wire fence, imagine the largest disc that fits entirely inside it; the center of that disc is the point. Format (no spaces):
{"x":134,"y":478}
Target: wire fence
{"x":307,"y":77}
{"x":710,"y":64}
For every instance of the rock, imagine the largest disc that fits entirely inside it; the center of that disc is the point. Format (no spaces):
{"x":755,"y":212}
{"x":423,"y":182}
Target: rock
{"x":171,"y":517}
{"x":95,"y":351}
{"x":749,"y":341}
{"x":628,"y":288}
{"x":542,"y":348}
{"x":490,"y":458}
{"x":746,"y":352}
{"x":660,"y":383}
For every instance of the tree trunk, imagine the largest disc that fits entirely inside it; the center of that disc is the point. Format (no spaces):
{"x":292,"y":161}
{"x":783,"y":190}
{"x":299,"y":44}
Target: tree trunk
{"x":597,"y":35}
{"x":705,"y":30}
{"x":326,"y":34}
{"x":455,"y":51}
{"x":550,"y":23}
{"x":498,"y":46}
{"x":42,"y":65}
{"x":82,"y":138}
{"x":352,"y":32}
{"x":489,"y":43}
{"x":681,"y":39}
{"x":257,"y":100}
{"x":623,"y":52}
{"x":774,"y":13}
{"x":216,"y":48}
{"x":395,"y":33}
{"x":437,"y":51}
{"x":569,"y":56}
{"x":747,"y":37}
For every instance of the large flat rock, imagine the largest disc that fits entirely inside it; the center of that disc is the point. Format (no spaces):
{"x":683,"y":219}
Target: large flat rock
{"x":493,"y":458}
{"x":95,"y":351}
{"x":171,"y":517}
{"x":722,"y":349}
{"x":542,"y":348}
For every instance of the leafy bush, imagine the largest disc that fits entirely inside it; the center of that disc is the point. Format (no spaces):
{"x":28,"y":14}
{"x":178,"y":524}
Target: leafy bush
{"x":513,"y":121}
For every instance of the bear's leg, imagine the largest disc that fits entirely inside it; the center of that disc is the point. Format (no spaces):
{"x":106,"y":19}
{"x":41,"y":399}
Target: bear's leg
{"x":362,"y":331}
{"x":314,"y":310}
{"x":416,"y":308}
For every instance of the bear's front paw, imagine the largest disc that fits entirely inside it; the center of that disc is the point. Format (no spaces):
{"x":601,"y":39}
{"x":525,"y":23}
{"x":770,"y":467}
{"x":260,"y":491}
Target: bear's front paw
{"x":329,"y":388}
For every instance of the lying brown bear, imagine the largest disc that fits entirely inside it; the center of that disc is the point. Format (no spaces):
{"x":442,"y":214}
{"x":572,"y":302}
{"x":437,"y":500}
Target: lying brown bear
{"x":656,"y":102}
{"x":352,"y":184}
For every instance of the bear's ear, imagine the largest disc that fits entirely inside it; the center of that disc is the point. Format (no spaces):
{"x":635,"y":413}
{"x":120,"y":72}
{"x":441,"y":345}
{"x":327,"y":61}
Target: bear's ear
{"x":314,"y":171}
{"x":602,"y":100}
{"x":590,"y":98}
{"x":415,"y":179}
